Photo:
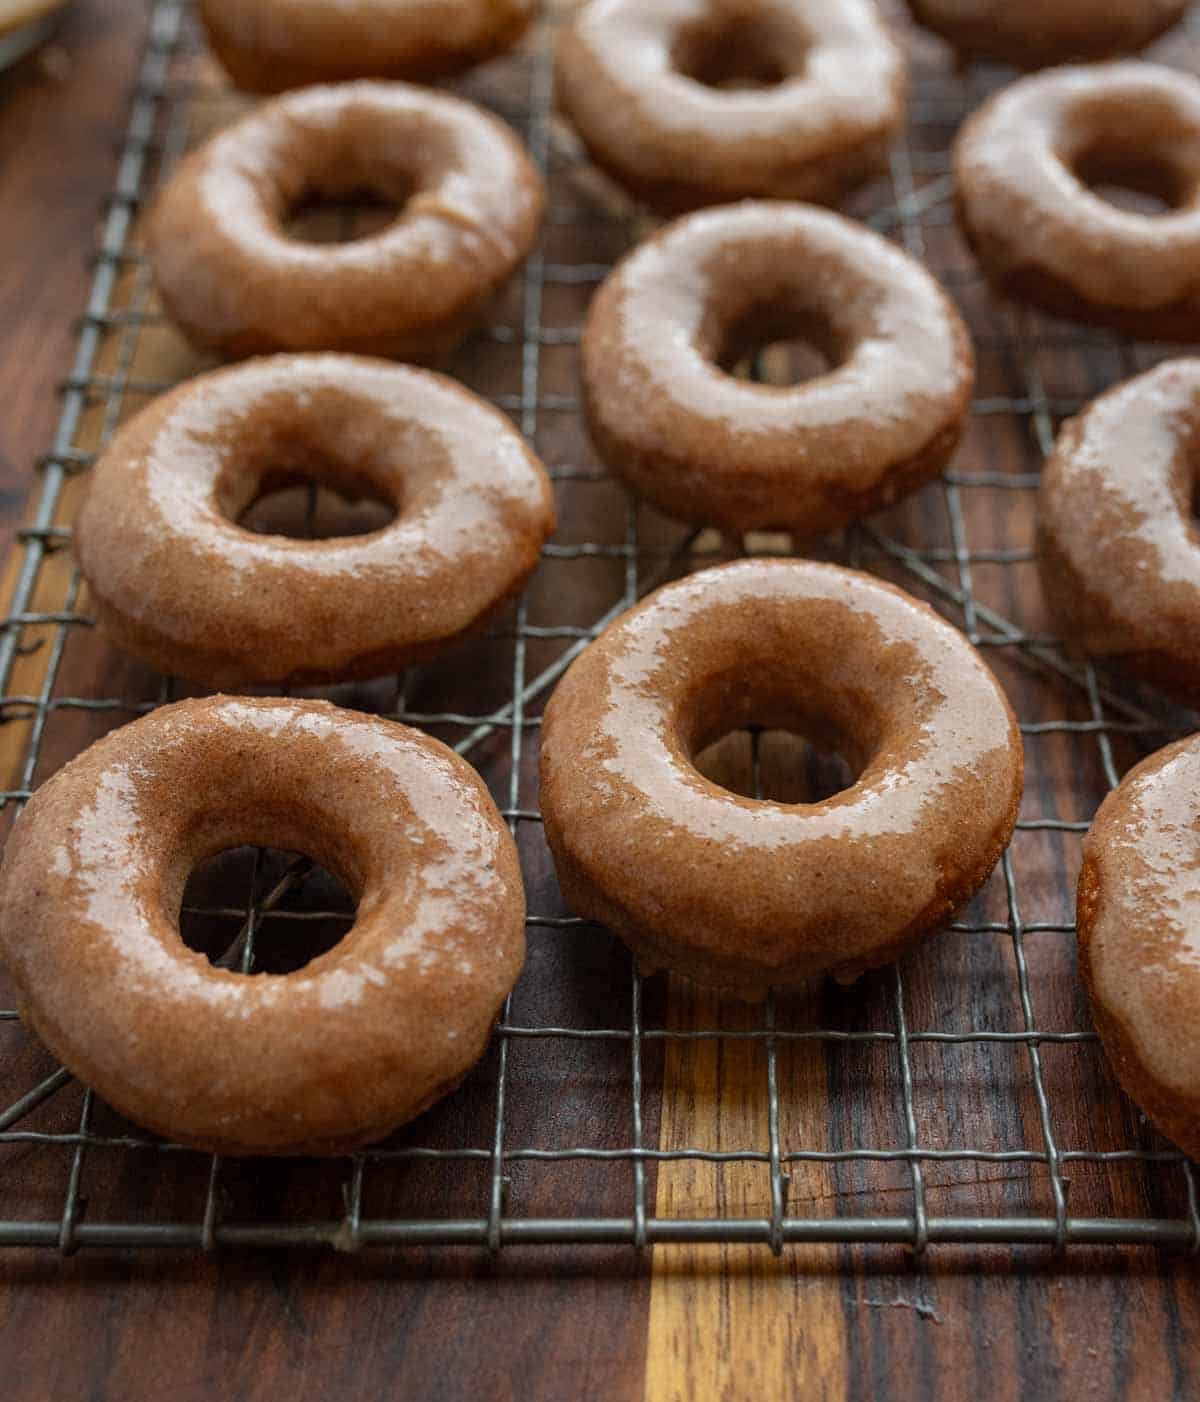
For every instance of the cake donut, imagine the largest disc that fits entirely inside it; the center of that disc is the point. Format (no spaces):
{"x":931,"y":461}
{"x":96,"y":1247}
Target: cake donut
{"x":668,"y":419}
{"x":269,"y":45}
{"x":1038,"y":34}
{"x":742,"y":893}
{"x":175,"y":580}
{"x":321,"y":1060}
{"x":1023,"y":161}
{"x":1117,"y":546}
{"x":1139,"y":927}
{"x":235,"y":281}
{"x":697,"y":102}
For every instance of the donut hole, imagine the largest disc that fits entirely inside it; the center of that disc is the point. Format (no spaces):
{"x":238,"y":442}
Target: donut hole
{"x":330,"y":218}
{"x":732,"y":53}
{"x":1138,"y":182}
{"x":782,"y":766}
{"x":308,"y":910}
{"x":780,"y":347}
{"x":304,"y":509}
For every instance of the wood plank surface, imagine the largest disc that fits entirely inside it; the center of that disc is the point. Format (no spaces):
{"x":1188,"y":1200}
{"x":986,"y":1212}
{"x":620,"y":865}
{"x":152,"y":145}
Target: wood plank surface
{"x":679,"y":1322}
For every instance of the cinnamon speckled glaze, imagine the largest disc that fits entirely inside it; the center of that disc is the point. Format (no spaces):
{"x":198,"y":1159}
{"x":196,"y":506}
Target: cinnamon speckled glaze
{"x":1040,"y":33}
{"x":175,"y":580}
{"x":743,"y":893}
{"x":695,"y":102}
{"x":1139,"y":936}
{"x":1118,"y":549}
{"x":321,"y":1060}
{"x":1023,"y":162}
{"x":710,"y":448}
{"x":469,"y":200}
{"x":269,"y":45}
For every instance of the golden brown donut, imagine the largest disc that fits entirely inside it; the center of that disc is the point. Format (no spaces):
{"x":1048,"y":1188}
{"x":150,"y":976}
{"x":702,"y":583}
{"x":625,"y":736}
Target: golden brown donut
{"x":743,"y":893}
{"x":1117,"y":545}
{"x":269,"y":45}
{"x":1041,"y":33}
{"x":696,"y":102}
{"x":1139,"y":930}
{"x":332,"y":1056}
{"x":710,"y":448}
{"x":233,"y":279}
{"x":1022,"y":163}
{"x":176,"y":581}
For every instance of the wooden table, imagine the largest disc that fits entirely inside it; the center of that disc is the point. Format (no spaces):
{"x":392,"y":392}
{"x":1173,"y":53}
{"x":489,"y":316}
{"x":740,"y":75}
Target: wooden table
{"x":589,"y":1322}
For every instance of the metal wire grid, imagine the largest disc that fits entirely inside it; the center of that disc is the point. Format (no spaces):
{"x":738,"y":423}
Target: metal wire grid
{"x":157,"y":132}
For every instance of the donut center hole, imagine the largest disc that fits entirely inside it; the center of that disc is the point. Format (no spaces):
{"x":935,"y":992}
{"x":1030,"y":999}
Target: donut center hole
{"x":778,"y":347}
{"x":304,"y":508}
{"x":263,"y":911}
{"x":1137,"y":182}
{"x":325,"y":217}
{"x":734,"y":54}
{"x":781,"y":765}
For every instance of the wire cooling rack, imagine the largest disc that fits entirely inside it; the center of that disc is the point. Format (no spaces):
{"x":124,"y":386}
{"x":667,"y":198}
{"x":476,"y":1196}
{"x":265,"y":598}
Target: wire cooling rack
{"x":960,"y":1096}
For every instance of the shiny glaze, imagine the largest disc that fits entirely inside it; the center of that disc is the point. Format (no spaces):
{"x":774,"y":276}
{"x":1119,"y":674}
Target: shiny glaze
{"x":269,"y":45}
{"x":742,"y":892}
{"x":1119,"y":552}
{"x":233,"y":279}
{"x":710,"y":448}
{"x":332,"y":1055}
{"x":1139,"y":935}
{"x":1043,"y":234}
{"x":175,"y":580}
{"x":680,"y":144}
{"x":1040,"y":33}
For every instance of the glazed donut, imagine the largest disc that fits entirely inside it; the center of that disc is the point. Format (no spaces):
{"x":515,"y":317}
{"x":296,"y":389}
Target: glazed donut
{"x":1139,"y":926}
{"x":269,"y":45}
{"x":176,"y":581}
{"x":706,"y":447}
{"x":1038,"y":34}
{"x":332,"y":1056}
{"x":645,"y":84}
{"x":742,"y":893}
{"x":1021,"y":162}
{"x":1117,"y":547}
{"x":234,"y":281}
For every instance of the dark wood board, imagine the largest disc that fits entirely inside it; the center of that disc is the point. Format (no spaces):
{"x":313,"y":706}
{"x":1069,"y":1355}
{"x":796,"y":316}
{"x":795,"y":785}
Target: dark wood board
{"x":687,"y":1322}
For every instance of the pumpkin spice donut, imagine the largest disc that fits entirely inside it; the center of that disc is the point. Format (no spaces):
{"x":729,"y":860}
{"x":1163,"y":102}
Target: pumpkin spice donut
{"x":1118,"y":550}
{"x":1023,"y":163}
{"x":701,"y":445}
{"x":175,"y":580}
{"x":696,"y":102}
{"x":231,"y":277}
{"x":270,"y":45}
{"x":743,"y":893}
{"x":321,"y":1060}
{"x":1039,"y":34}
{"x":1139,"y":928}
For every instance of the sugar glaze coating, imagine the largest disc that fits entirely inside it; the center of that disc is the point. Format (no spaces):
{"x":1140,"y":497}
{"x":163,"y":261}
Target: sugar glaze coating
{"x":1042,"y":33}
{"x":1043,"y":235}
{"x":270,"y":45}
{"x":643,"y":83}
{"x":1118,"y":549}
{"x":175,"y":580}
{"x":811,"y":457}
{"x":1139,"y":936}
{"x":744,"y":893}
{"x":321,"y":1060}
{"x":233,"y":279}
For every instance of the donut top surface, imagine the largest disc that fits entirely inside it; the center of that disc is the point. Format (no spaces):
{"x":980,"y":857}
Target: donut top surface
{"x":1115,"y":509}
{"x":668,"y":318}
{"x":1018,"y":163}
{"x":1140,"y":915}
